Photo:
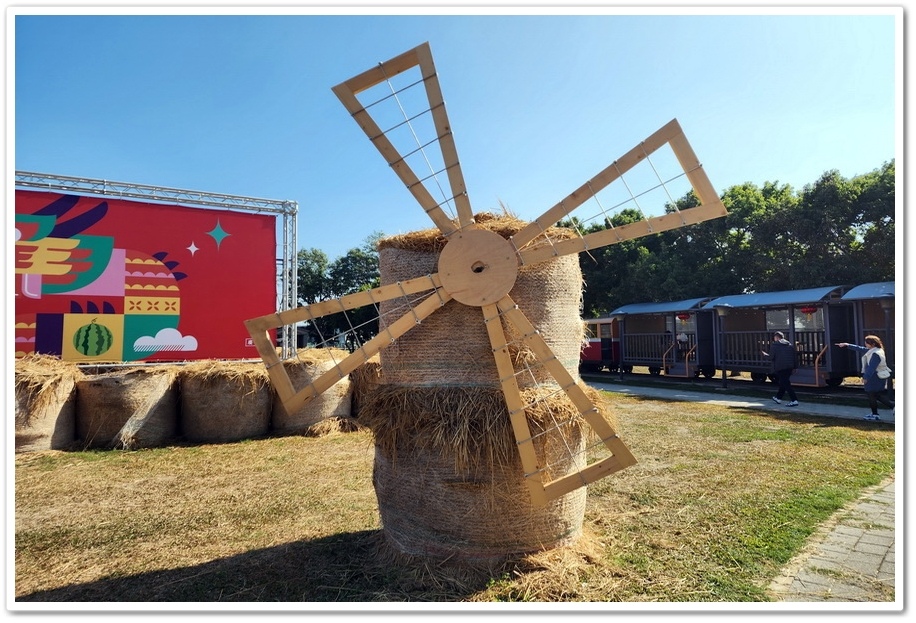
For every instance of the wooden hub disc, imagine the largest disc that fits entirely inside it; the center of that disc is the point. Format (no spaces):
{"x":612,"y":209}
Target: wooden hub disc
{"x":477,"y":267}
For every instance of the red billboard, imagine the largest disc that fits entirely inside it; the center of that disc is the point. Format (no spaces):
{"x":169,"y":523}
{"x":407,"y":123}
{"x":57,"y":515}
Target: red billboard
{"x":105,"y":279}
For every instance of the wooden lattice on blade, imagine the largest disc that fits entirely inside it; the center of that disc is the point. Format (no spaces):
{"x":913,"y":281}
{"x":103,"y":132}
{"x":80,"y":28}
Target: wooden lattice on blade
{"x":478,"y":267}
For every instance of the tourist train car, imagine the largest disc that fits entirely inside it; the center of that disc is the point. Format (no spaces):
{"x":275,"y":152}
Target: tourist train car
{"x":672,"y":337}
{"x":812,"y":319}
{"x":697,"y":337}
{"x":601,"y":349}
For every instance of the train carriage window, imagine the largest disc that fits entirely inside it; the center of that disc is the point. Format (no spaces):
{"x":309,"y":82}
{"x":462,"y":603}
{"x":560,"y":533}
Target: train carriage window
{"x":777,"y":319}
{"x":589,"y":330}
{"x":689,"y":325}
{"x":809,"y":322}
{"x":605,"y":330}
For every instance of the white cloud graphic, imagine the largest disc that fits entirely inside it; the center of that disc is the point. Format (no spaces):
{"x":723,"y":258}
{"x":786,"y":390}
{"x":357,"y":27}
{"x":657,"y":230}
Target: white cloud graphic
{"x":165,"y":340}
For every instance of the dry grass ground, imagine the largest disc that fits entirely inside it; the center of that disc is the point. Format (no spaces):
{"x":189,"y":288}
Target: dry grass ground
{"x":721,"y":498}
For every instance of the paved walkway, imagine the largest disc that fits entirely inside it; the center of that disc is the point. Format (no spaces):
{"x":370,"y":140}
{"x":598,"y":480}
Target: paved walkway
{"x":722,"y":397}
{"x":851,"y":557}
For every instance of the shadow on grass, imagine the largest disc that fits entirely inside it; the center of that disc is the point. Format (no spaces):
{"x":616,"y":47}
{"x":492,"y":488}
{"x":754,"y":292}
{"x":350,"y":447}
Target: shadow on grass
{"x":353,"y":567}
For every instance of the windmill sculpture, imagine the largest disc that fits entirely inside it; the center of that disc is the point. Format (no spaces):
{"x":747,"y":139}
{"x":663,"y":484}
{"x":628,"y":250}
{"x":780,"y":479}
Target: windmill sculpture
{"x":478,"y":267}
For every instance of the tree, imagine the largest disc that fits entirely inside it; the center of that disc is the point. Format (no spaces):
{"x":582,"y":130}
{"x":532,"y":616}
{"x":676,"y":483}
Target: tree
{"x":321,"y":280}
{"x":312,"y":276}
{"x":354,"y":271}
{"x":835,"y":231}
{"x":874,"y":225}
{"x":757,"y":239}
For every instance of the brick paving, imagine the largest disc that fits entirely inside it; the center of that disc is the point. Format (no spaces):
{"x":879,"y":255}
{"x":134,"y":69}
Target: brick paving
{"x":851,"y":558}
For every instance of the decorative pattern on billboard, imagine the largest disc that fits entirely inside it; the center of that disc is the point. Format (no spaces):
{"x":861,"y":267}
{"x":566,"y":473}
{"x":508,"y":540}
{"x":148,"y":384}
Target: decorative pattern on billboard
{"x":105,"y":279}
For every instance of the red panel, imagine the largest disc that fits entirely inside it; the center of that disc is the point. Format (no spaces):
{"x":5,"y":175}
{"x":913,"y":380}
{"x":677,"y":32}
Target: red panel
{"x":169,"y":282}
{"x":592,"y":351}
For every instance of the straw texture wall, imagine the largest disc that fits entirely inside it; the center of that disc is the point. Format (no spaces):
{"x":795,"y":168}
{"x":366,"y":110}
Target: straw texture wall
{"x":365,"y":381}
{"x":451,"y":347}
{"x":428,"y":508}
{"x":154,"y":422}
{"x":59,"y":407}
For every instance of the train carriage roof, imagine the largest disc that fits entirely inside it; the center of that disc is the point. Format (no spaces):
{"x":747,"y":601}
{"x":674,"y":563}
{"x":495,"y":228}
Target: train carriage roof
{"x":660,"y":308}
{"x":870,"y":291}
{"x":776,"y":299}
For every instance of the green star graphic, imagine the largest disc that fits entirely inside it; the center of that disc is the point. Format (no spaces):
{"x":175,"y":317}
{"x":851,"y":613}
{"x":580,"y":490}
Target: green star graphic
{"x":219,"y":234}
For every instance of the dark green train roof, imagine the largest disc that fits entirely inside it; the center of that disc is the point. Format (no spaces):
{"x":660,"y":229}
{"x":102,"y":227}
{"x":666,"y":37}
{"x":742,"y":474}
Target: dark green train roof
{"x":669,"y":307}
{"x":777,"y":299}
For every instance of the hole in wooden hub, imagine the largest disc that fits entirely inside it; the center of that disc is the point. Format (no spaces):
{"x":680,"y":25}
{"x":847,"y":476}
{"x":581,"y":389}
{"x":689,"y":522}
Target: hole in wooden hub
{"x":478,"y":267}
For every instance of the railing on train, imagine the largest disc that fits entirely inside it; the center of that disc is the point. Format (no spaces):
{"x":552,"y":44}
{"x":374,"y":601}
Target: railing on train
{"x":743,"y":348}
{"x":665,"y":363}
{"x":651,"y":347}
{"x":687,"y":355}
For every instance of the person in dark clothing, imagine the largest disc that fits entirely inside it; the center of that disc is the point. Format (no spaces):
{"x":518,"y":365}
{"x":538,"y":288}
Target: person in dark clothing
{"x":874,"y":372}
{"x":784,"y":359}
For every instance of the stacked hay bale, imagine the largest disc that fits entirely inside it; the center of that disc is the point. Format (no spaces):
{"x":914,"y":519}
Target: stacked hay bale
{"x":128,"y":409}
{"x":329,"y":411}
{"x":447,"y":474}
{"x":45,"y":417}
{"x":223,"y":401}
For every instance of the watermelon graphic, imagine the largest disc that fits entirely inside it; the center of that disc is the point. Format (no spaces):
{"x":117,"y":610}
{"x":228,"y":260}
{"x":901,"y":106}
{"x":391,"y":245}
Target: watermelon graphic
{"x":93,"y":339}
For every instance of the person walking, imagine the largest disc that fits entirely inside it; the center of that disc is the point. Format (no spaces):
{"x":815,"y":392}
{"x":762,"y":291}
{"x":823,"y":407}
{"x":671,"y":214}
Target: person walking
{"x":784,"y":358}
{"x":874,"y":372}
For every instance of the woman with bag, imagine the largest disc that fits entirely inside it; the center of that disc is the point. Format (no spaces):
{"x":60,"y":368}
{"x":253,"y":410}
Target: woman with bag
{"x":874,"y":371}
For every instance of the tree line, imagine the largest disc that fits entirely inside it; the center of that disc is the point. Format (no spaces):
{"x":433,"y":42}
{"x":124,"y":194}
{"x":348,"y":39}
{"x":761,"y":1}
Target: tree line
{"x":835,"y":231}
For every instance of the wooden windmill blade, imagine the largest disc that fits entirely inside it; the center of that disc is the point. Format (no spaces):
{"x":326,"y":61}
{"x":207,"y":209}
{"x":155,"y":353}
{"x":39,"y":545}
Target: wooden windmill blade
{"x":618,"y":456}
{"x":293,"y":398}
{"x":420,"y":58}
{"x":544,"y":489}
{"x":478,"y":267}
{"x":670,"y":135}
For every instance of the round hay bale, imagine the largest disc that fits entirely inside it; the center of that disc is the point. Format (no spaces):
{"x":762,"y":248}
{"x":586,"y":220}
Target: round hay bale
{"x":154,"y":423}
{"x":428,"y":509}
{"x":107,"y":402}
{"x":451,"y":347}
{"x":308,"y":365}
{"x":224,"y":401}
{"x":45,"y":410}
{"x":448,"y":478}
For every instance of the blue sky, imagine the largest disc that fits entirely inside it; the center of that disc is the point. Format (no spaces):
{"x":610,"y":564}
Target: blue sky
{"x":538,"y":103}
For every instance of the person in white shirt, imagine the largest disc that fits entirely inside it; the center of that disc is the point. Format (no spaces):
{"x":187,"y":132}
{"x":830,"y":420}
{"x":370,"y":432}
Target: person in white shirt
{"x":874,"y":372}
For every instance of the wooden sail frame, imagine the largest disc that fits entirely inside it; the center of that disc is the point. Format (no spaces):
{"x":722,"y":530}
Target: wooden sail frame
{"x":421,"y":57}
{"x":478,"y":268}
